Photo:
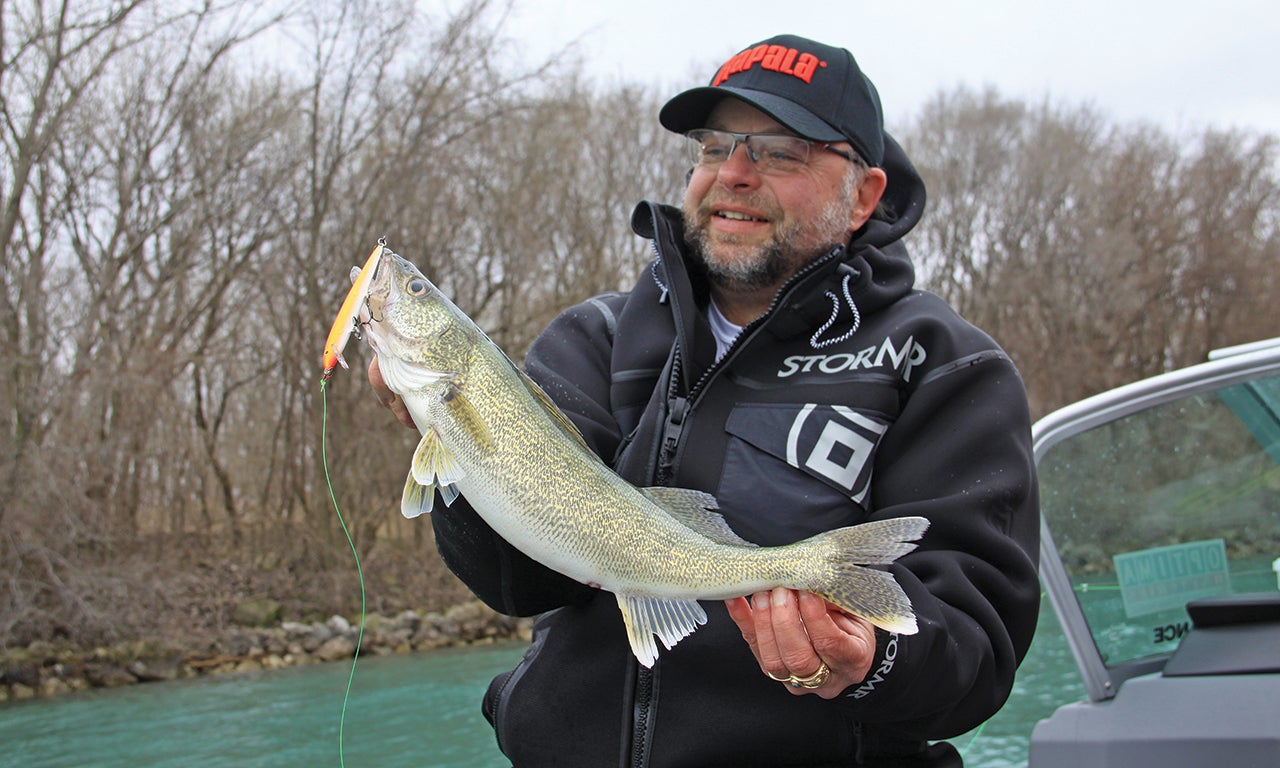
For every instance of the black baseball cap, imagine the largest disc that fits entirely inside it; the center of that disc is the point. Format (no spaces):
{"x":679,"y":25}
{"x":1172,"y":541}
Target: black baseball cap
{"x":816,"y":90}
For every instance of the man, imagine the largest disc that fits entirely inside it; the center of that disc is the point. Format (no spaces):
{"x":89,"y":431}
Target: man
{"x":777,"y":356}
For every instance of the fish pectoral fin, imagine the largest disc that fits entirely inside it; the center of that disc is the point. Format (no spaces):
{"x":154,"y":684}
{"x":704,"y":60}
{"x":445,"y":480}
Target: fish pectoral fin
{"x":670,"y":620}
{"x":695,"y":510}
{"x":455,"y":397}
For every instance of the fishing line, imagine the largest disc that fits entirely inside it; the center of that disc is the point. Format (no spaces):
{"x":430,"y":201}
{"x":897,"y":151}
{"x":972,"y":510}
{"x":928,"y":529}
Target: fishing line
{"x":324,"y":461}
{"x":965,"y":750}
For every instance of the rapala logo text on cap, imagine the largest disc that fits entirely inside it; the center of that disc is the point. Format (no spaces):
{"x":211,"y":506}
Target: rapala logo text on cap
{"x":775,"y":58}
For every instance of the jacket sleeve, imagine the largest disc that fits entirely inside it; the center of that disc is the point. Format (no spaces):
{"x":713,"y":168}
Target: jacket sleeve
{"x":960,"y":455}
{"x":570,"y":361}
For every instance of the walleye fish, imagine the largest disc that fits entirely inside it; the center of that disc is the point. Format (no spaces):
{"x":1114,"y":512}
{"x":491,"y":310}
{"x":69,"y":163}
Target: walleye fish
{"x":491,"y":434}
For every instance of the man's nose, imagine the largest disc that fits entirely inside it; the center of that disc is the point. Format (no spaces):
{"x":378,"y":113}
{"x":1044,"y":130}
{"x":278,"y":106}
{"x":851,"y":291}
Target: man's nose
{"x":739,"y":169}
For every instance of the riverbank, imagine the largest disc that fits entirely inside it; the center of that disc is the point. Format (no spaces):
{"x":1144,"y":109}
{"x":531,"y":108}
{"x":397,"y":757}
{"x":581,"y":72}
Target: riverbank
{"x":47,"y":669}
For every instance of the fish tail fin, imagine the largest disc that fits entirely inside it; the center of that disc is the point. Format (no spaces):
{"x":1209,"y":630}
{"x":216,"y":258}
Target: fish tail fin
{"x":867,"y":592}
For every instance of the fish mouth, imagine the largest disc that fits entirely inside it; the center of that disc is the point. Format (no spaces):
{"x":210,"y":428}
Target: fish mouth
{"x":379,"y":299}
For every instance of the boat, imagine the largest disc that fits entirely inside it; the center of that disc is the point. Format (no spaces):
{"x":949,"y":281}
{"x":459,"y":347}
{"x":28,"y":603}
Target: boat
{"x":1160,"y":554}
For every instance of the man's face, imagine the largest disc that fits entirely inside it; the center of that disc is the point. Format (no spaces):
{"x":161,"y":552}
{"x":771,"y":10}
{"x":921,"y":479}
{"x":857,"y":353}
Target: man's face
{"x":754,"y":231}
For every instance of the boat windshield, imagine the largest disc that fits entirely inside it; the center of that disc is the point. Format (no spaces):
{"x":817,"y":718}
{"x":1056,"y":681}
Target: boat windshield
{"x":1156,"y":499}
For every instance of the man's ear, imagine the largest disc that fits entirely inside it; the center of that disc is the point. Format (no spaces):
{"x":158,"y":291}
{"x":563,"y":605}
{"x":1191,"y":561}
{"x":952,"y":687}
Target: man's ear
{"x":868,"y":195}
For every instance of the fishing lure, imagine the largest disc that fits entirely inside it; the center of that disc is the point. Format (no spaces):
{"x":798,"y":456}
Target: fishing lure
{"x":348,"y":320}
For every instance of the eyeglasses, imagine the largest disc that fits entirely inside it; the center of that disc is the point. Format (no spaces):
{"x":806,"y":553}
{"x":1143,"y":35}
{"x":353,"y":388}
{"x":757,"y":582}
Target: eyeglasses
{"x":776,"y":153}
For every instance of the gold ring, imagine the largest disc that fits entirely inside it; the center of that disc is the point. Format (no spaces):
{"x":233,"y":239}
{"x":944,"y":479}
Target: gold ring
{"x":771,"y":676}
{"x":816,"y":680}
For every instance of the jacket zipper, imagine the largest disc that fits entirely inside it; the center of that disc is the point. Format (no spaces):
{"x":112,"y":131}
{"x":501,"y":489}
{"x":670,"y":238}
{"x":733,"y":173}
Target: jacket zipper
{"x":678,"y":408}
{"x":641,"y":716}
{"x":673,"y":425}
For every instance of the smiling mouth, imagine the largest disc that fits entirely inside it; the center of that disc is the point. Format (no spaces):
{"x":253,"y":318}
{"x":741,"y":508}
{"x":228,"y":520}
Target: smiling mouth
{"x":736,"y":216}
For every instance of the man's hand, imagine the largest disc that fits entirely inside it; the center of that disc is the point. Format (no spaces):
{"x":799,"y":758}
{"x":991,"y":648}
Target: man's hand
{"x":387,"y":398}
{"x":793,"y":634}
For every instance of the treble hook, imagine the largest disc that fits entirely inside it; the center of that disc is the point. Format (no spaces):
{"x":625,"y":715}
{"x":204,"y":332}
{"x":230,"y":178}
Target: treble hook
{"x":372,"y":317}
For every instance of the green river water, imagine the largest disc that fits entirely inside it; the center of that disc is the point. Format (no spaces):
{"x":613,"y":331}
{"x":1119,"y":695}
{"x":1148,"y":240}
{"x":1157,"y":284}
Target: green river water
{"x":405,"y":712}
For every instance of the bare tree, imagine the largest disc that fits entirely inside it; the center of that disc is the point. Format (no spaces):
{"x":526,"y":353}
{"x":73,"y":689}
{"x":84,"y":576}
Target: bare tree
{"x":1095,"y":254}
{"x":101,"y":289}
{"x":1227,"y":273}
{"x":555,"y":191}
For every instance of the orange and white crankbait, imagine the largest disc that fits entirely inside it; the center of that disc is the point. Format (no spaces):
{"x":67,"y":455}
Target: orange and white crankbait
{"x":349,"y":315}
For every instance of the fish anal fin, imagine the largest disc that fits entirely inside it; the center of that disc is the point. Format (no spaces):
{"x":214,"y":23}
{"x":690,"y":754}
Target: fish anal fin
{"x":695,"y":510}
{"x":647,"y":618}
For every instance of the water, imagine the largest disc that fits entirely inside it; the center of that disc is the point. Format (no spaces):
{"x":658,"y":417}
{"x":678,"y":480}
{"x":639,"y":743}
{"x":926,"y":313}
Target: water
{"x":1046,"y":680}
{"x":420,"y":710}
{"x":405,"y":712}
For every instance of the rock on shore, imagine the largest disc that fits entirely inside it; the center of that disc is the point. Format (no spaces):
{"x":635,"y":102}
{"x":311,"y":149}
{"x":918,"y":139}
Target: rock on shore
{"x":47,"y":669}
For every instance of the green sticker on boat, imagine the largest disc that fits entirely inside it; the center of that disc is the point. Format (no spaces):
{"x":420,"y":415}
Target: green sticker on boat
{"x":1163,"y":578}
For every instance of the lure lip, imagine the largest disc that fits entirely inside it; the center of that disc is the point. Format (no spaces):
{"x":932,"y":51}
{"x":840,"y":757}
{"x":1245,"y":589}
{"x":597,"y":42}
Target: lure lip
{"x":348,"y":314}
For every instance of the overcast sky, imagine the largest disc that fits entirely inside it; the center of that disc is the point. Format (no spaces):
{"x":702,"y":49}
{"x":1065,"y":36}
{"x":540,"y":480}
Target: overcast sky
{"x":1182,"y":65}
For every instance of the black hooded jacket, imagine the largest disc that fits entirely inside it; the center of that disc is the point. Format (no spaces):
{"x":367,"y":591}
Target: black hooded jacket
{"x":855,"y":398}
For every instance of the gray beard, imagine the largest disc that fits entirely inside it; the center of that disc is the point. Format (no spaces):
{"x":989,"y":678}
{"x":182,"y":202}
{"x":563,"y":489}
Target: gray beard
{"x":772,"y":264}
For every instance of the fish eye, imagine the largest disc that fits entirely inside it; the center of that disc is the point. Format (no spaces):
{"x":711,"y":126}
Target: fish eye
{"x":417,"y":286}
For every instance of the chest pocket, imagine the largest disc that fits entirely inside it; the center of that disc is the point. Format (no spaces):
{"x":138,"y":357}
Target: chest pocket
{"x":792,"y":470}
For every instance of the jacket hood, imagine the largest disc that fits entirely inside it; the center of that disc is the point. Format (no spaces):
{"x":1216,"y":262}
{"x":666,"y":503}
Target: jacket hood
{"x":879,"y":242}
{"x":901,"y":208}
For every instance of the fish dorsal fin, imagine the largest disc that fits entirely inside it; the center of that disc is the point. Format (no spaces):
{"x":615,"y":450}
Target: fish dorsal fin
{"x":543,"y":399}
{"x":669,"y":620}
{"x":553,"y":410}
{"x":695,"y":510}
